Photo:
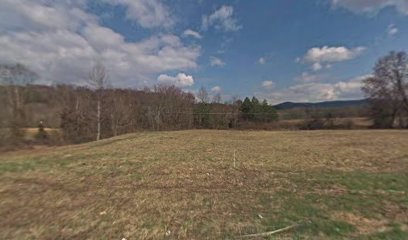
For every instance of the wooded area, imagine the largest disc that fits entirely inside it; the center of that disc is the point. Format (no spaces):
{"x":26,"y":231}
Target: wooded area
{"x":85,"y":114}
{"x":98,"y":111}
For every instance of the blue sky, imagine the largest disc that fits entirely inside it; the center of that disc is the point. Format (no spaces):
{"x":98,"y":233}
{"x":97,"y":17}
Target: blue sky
{"x":283,"y":50}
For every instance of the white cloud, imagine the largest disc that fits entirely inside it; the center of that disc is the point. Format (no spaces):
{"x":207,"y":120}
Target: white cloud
{"x":328,"y":54}
{"x":191,"y":33}
{"x":371,"y":6}
{"x":35,"y":15}
{"x":316,"y":91}
{"x":262,"y":60}
{"x":307,"y":77}
{"x":222,"y":19}
{"x":350,"y":87}
{"x":317,"y":66}
{"x":181,"y":80}
{"x":146,"y":13}
{"x":216,"y":89}
{"x":63,"y":49}
{"x":268,"y":84}
{"x":392,"y":30}
{"x":216,"y":62}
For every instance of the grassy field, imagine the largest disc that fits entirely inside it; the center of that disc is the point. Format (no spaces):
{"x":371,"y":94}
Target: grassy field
{"x":183,"y":185}
{"x":355,"y":123}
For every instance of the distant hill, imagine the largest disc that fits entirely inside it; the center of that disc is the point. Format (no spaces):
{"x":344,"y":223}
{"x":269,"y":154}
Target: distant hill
{"x":327,"y":104}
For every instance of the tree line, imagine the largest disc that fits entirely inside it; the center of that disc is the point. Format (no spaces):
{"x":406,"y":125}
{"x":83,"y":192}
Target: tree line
{"x":100,"y":111}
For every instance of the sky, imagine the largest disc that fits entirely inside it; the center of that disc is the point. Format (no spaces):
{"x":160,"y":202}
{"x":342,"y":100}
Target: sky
{"x":281,"y":50}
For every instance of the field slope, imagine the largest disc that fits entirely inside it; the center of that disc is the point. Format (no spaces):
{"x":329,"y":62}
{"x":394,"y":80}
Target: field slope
{"x":183,"y":185}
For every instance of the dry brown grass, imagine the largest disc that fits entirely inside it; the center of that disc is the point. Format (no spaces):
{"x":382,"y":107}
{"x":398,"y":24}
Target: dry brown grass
{"x":354,"y":122}
{"x":182,"y":185}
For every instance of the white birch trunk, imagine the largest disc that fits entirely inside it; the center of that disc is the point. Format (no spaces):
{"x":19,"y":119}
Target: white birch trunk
{"x":98,"y":119}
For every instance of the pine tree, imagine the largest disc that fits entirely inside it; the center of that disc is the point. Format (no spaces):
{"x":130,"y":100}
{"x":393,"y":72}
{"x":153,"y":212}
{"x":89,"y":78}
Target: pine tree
{"x":246,"y":109}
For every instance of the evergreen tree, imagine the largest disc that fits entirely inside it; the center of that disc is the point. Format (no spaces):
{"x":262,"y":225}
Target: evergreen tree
{"x":246,"y":109}
{"x":253,"y":110}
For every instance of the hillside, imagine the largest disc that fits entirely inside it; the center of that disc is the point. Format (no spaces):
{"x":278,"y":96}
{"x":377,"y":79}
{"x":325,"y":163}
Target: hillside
{"x":326,"y":104}
{"x":183,"y":185}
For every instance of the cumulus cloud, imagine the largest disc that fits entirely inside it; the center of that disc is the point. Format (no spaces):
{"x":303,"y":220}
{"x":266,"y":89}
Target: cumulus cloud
{"x":216,"y":89}
{"x":216,"y":62}
{"x":222,"y":19}
{"x":268,"y":84}
{"x":35,"y":15}
{"x":180,"y":80}
{"x":349,"y":89}
{"x":392,"y":30}
{"x":371,"y":6}
{"x":191,"y":33}
{"x":63,"y":49}
{"x":328,"y":54}
{"x":146,"y":13}
{"x":317,"y":91}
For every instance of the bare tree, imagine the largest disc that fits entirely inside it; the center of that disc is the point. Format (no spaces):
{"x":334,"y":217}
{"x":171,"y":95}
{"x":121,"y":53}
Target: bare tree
{"x":76,"y":115}
{"x":217,"y":98}
{"x":14,"y":78}
{"x":202,"y":95}
{"x":98,"y":79}
{"x":235,"y":106}
{"x":388,"y":90}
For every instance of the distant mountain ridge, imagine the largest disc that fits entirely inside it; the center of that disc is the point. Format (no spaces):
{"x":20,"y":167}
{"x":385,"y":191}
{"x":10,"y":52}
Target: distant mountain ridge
{"x":326,"y":104}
